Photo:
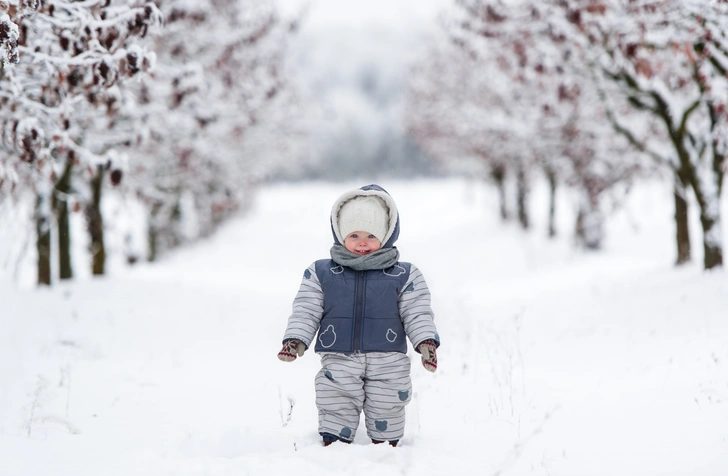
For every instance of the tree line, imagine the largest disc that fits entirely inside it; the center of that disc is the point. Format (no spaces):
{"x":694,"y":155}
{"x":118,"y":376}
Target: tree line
{"x":156,"y":98}
{"x":594,"y":93}
{"x":184,"y":106}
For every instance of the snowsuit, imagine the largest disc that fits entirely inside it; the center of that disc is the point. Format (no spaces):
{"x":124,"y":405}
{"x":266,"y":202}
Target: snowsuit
{"x":360,"y":319}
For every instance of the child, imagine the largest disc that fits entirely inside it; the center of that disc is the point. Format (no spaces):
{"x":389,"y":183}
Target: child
{"x":362,"y":302}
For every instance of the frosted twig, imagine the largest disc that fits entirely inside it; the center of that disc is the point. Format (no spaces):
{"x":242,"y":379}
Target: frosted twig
{"x":67,"y":373}
{"x":285,"y":416}
{"x":519,"y":321}
{"x":518,"y":446}
{"x":60,"y":421}
{"x":40,"y":388}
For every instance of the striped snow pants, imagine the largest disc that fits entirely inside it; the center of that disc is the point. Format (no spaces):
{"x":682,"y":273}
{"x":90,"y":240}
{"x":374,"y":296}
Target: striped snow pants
{"x":378,"y":383}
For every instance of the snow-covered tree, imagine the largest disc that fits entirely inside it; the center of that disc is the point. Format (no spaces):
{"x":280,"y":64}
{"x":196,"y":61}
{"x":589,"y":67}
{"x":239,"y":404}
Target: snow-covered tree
{"x":668,"y":59}
{"x":521,"y":99}
{"x":219,"y":79}
{"x":60,"y":68}
{"x":454,"y":113}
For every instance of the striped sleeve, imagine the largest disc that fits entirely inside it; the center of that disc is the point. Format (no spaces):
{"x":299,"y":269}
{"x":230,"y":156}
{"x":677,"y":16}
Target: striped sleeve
{"x":415,"y":310}
{"x":308,"y":308}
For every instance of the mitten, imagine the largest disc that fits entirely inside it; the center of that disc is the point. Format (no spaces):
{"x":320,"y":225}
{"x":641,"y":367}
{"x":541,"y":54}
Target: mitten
{"x":428,"y":349}
{"x":291,"y":349}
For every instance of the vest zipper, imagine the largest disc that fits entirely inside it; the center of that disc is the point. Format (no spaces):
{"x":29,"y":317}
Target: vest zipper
{"x":359,"y":310}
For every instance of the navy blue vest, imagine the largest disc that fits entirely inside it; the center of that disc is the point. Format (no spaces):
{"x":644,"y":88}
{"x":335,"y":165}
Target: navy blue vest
{"x":361,"y":312}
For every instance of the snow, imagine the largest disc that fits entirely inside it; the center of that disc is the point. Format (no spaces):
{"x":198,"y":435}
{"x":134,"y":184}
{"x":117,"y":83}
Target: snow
{"x":553,"y":362}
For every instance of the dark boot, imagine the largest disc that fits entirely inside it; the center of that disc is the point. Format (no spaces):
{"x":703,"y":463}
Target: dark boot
{"x":329,"y":438}
{"x":391,"y":443}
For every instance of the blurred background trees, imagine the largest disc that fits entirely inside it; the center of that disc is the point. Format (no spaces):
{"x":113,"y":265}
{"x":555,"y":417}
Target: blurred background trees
{"x":177,"y":109}
{"x":591,"y":90}
{"x":220,"y":71}
{"x":526,"y":103}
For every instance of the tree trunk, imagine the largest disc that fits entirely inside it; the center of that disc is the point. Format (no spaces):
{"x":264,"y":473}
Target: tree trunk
{"x":706,"y":182}
{"x":95,"y":223}
{"x":590,"y":225}
{"x":707,"y":192}
{"x":551,"y":177}
{"x":43,"y":238}
{"x":152,"y":239}
{"x":522,"y":196}
{"x":712,"y":246}
{"x":711,"y":241}
{"x":498,"y":173}
{"x":681,"y":219}
{"x":60,"y":205}
{"x":153,"y":234}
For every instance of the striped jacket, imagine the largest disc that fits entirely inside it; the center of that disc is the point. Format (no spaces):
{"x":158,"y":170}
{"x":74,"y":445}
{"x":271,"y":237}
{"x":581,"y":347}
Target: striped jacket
{"x":361,"y":311}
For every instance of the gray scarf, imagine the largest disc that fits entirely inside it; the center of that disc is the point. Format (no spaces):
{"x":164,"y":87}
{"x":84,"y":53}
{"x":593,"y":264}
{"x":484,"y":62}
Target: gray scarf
{"x":380,"y":259}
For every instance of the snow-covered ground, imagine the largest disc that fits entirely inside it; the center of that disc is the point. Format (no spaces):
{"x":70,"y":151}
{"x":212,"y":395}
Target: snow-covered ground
{"x":553,"y":362}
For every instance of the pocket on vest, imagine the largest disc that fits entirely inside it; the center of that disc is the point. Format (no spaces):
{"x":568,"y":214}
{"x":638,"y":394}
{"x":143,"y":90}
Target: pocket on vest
{"x":384,"y":335}
{"x":334,"y":335}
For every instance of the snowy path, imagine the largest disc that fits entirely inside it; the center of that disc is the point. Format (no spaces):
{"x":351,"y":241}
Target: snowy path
{"x":553,"y":362}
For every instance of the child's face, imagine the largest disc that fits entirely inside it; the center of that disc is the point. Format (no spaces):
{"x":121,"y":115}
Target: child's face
{"x":361,"y":243}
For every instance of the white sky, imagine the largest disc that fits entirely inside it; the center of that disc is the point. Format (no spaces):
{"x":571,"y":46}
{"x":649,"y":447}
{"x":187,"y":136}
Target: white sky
{"x":353,"y":32}
{"x":342,"y":44}
{"x":395,"y":14}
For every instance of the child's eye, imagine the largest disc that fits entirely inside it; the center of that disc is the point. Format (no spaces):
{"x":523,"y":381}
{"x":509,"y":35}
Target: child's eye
{"x":371,"y":236}
{"x":354,"y":236}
